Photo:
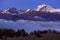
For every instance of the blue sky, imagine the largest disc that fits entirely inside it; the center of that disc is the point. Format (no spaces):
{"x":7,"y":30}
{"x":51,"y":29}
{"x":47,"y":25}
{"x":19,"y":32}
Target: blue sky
{"x":25,"y":4}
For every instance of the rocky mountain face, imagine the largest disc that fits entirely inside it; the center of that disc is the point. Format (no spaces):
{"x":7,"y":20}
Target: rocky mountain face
{"x":40,"y":13}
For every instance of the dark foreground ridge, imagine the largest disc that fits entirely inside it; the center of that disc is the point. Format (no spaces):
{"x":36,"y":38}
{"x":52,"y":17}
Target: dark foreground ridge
{"x":14,"y":14}
{"x":10,"y":34}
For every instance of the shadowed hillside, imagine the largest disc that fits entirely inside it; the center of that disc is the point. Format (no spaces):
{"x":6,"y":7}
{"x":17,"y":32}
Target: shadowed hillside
{"x":10,"y":34}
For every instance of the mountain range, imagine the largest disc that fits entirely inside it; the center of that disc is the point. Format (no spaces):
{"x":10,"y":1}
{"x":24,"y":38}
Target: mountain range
{"x":42,"y":12}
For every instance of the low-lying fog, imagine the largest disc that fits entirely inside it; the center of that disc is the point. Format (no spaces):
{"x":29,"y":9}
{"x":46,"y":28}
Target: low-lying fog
{"x":29,"y":25}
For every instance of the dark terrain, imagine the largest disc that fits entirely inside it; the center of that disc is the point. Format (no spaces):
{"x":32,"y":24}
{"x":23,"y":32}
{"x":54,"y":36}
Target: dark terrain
{"x":10,"y":34}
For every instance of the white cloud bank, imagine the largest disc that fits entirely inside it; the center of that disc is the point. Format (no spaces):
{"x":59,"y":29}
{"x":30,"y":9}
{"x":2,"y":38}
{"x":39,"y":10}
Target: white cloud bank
{"x":29,"y":25}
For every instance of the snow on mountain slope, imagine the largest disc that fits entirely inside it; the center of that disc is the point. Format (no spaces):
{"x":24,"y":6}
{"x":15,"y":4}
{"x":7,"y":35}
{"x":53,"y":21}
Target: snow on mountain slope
{"x":27,"y":10}
{"x":43,"y":7}
{"x":46,"y":8}
{"x":54,"y":10}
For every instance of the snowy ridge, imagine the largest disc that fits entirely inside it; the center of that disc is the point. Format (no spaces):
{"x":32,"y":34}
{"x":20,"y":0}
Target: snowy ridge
{"x":42,"y":7}
{"x":46,"y":8}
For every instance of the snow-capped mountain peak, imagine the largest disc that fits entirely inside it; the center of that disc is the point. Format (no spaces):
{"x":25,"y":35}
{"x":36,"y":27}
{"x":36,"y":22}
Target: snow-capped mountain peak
{"x":5,"y":11}
{"x":43,"y":7}
{"x":46,"y":8}
{"x":9,"y":10}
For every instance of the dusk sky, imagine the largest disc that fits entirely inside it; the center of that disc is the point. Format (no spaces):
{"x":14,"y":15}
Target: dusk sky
{"x":25,"y":4}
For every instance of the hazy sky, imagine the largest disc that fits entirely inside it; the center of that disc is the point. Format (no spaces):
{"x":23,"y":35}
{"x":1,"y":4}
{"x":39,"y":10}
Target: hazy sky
{"x":25,"y":4}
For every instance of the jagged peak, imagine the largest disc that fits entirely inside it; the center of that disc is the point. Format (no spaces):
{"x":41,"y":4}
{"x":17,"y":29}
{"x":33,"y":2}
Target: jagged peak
{"x":43,"y":7}
{"x":46,"y":8}
{"x":9,"y":10}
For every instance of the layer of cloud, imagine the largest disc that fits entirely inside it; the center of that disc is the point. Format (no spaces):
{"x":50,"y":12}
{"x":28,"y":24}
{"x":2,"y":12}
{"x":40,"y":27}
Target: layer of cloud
{"x":29,"y":25}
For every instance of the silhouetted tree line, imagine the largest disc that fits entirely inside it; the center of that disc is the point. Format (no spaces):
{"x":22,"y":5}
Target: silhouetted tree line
{"x":21,"y":33}
{"x":4,"y":33}
{"x":12,"y":33}
{"x":44,"y":32}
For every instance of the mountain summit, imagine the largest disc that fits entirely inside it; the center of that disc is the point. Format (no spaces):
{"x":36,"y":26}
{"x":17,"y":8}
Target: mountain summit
{"x":46,"y":8}
{"x":43,"y":7}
